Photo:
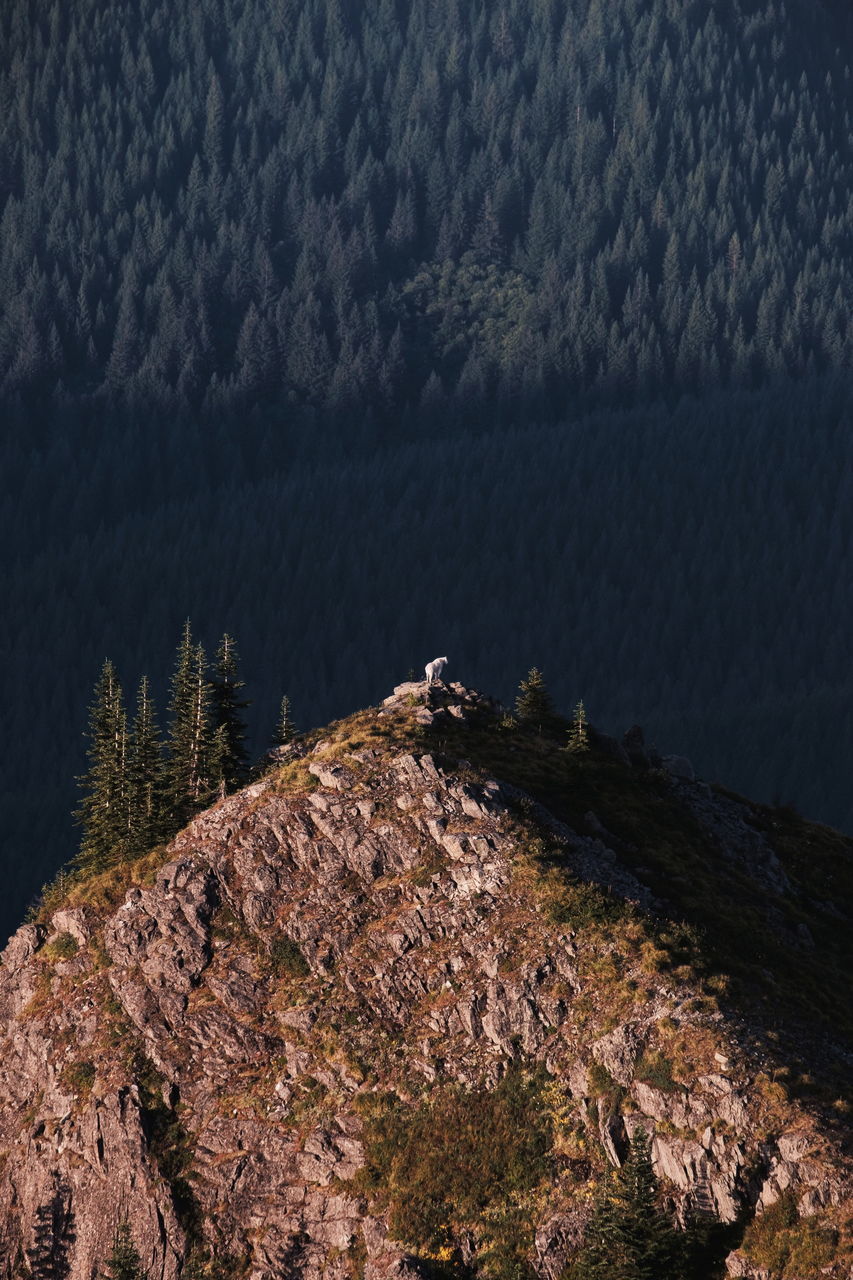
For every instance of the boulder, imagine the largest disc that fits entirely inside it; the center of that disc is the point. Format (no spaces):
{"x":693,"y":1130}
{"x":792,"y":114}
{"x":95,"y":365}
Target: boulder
{"x":618,"y":1052}
{"x":634,"y":743}
{"x":679,"y":767}
{"x":23,"y":945}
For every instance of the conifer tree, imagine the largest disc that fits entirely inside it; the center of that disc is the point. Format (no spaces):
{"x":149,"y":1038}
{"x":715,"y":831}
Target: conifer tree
{"x":103,"y":811}
{"x":190,"y":733}
{"x":145,"y":774}
{"x":579,"y":730}
{"x":629,"y":1237}
{"x":533,"y":704}
{"x":180,"y":731}
{"x":124,"y":1261}
{"x":285,"y":729}
{"x":217,"y":763}
{"x":229,"y":763}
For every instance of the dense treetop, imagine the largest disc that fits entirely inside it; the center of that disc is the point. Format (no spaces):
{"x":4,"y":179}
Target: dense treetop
{"x":212,"y":205}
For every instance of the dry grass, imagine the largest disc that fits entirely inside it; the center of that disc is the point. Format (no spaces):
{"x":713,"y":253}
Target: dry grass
{"x":789,"y":1247}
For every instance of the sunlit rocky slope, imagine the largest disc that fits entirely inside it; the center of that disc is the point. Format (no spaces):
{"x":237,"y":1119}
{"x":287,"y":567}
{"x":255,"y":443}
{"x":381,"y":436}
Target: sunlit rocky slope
{"x":395,"y":1007}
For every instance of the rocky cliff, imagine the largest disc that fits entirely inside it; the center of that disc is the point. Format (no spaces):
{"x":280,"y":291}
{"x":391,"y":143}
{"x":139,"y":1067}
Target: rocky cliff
{"x":399,"y":1003}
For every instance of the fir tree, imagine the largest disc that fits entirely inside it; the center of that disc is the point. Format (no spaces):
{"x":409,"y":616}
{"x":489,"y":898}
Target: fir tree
{"x":533,"y":704}
{"x":629,"y":1237}
{"x":178,"y":768}
{"x":124,"y":1261}
{"x":190,"y":733}
{"x":145,"y":780}
{"x":285,"y":729}
{"x":579,"y":730}
{"x":229,"y":765}
{"x":103,"y":811}
{"x":217,"y":763}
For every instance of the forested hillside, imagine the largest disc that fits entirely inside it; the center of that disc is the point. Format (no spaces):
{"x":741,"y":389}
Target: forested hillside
{"x":345,"y":207}
{"x":514,"y":330}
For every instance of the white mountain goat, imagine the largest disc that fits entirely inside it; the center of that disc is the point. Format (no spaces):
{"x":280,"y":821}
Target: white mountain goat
{"x":434,"y":670}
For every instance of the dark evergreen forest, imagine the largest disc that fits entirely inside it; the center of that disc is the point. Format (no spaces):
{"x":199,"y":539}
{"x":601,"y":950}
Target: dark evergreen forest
{"x":368,"y":331}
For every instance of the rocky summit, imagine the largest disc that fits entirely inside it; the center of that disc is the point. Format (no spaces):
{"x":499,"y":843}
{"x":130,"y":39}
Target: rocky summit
{"x":395,"y":1009}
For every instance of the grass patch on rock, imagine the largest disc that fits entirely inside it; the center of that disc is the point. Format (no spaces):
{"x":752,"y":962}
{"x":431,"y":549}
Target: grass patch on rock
{"x":786,"y":1246}
{"x":654,"y":1069}
{"x":286,"y":959}
{"x":461,"y":1164}
{"x":78,"y":1078}
{"x":63,"y":947}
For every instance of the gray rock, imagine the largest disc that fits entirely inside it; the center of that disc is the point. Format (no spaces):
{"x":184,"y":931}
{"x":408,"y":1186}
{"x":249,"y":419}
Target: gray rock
{"x":679,"y":767}
{"x":22,"y":945}
{"x":634,"y":743}
{"x":333,"y":776}
{"x":618,"y":1052}
{"x":78,"y":921}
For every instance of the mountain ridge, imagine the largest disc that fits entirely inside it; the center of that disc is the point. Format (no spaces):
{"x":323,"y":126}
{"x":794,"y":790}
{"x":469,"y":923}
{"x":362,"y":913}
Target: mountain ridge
{"x":216,"y":1042}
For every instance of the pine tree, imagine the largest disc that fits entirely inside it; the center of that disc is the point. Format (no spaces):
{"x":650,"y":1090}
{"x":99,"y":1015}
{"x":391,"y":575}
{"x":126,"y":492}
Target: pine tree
{"x":190,"y":733}
{"x":579,"y":731}
{"x":285,"y":729}
{"x":103,"y":811}
{"x":533,"y":704}
{"x":124,"y":1261}
{"x":145,"y":780}
{"x":629,"y":1237}
{"x":229,"y":763}
{"x":202,"y":732}
{"x":217,"y":763}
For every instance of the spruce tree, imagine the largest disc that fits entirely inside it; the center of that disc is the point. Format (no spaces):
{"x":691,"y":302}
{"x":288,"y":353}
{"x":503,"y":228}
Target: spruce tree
{"x":124,"y":1261}
{"x":103,"y":811}
{"x":145,"y":781}
{"x":285,"y":729}
{"x":629,"y":1237}
{"x":579,"y":730}
{"x":190,"y":734}
{"x":533,"y":704}
{"x":217,"y":764}
{"x":229,"y":765}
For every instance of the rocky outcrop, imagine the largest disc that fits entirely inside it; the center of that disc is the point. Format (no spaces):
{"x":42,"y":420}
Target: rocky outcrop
{"x":376,"y":922}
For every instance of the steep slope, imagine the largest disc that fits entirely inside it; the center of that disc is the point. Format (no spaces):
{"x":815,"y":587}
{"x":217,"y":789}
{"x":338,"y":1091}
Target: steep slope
{"x":383,"y":1011}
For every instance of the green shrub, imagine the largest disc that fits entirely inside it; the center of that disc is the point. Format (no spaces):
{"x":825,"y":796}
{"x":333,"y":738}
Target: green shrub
{"x":79,"y":1078}
{"x":580,"y":904}
{"x":286,"y":960}
{"x":461,"y":1163}
{"x":65,"y":946}
{"x":655,"y":1069}
{"x":603,"y":1086}
{"x":787,"y":1246}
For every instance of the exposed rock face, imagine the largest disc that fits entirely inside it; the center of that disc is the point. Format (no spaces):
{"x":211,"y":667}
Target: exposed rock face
{"x":297,"y":950}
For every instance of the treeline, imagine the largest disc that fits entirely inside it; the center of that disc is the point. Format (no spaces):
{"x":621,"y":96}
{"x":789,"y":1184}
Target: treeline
{"x":377,"y":212}
{"x":139,"y":790}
